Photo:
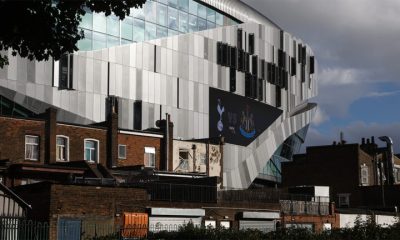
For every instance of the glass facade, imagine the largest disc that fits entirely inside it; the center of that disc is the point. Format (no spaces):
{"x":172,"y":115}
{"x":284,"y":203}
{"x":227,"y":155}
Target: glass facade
{"x":157,"y":19}
{"x":272,"y":171}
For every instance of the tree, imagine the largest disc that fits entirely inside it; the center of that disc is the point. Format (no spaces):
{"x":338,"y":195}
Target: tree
{"x":40,"y":29}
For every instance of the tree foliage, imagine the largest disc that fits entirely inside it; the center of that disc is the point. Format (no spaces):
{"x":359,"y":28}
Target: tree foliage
{"x":40,"y":29}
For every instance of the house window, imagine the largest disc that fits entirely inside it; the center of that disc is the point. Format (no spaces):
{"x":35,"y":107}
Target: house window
{"x":62,"y":143}
{"x":183,"y":159}
{"x":210,"y":223}
{"x":364,"y":176}
{"x":225,"y":224}
{"x":150,"y":157}
{"x":31,"y":148}
{"x":121,"y":151}
{"x":344,"y":199}
{"x":91,"y":150}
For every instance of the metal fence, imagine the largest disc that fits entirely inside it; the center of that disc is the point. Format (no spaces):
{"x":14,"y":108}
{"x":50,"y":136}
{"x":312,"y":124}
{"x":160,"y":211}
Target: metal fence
{"x":304,"y":207}
{"x":18,"y":229}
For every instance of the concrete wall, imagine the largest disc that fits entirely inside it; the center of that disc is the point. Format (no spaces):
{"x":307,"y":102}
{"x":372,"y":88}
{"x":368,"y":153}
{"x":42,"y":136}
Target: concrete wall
{"x":198,"y":158}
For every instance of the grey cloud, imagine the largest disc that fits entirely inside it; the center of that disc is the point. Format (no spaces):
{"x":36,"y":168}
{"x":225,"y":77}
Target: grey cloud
{"x":355,"y":42}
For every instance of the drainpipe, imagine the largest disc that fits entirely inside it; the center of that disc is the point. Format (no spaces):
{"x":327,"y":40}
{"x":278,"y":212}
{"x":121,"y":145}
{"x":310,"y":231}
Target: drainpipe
{"x":389,"y":166}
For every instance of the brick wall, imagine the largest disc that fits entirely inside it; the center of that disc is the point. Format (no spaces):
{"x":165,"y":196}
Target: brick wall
{"x":135,"y":145}
{"x":77,"y":135}
{"x":12,"y":138}
{"x":333,"y":166}
{"x":317,"y":221}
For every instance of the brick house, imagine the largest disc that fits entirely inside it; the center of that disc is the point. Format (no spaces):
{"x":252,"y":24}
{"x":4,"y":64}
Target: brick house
{"x":352,"y":171}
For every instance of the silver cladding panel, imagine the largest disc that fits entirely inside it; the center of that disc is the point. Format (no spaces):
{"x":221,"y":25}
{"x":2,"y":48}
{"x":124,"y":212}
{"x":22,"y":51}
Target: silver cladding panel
{"x":186,"y":60}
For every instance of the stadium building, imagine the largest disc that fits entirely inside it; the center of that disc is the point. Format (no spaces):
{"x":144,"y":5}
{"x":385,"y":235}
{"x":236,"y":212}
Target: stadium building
{"x":218,"y":67}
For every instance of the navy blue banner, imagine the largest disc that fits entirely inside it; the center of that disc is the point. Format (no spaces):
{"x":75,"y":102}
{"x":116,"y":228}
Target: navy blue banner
{"x":239,"y":119}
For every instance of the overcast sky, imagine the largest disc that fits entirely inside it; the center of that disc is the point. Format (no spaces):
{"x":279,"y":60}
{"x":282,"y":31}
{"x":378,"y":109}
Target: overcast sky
{"x":357,"y":46}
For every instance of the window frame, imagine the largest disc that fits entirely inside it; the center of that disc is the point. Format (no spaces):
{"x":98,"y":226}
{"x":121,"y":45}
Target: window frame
{"x":119,"y":153}
{"x":146,"y":164}
{"x":38,"y":148}
{"x":98,"y":150}
{"x":66,"y":148}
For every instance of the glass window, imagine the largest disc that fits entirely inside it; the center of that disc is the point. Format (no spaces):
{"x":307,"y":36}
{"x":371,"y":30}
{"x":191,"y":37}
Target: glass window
{"x":99,"y":22}
{"x":162,"y":16}
{"x":150,"y":31}
{"x":172,"y":18}
{"x":137,"y":13}
{"x":62,"y":148}
{"x":150,"y":13}
{"x":162,"y":32}
{"x":183,"y":160}
{"x":127,"y":28}
{"x":85,"y":44}
{"x":192,"y":23}
{"x":202,"y":24}
{"x":31,"y":148}
{"x":184,"y":5}
{"x":172,"y":33}
{"x":91,"y":150}
{"x":99,"y":41}
{"x":113,"y":25}
{"x":173,"y":3}
{"x":210,"y":223}
{"x":183,"y":22}
{"x":87,"y":21}
{"x":202,"y":11}
{"x":210,"y":15}
{"x":210,"y":25}
{"x":193,"y":7}
{"x":163,"y":1}
{"x":219,"y":19}
{"x":225,"y":224}
{"x":112,"y":41}
{"x":121,"y":151}
{"x":124,"y":41}
{"x":138,"y":30}
{"x":149,"y":157}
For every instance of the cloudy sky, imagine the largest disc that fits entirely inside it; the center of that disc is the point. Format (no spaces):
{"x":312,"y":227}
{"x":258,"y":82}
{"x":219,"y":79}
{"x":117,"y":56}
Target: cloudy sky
{"x":357,"y":46}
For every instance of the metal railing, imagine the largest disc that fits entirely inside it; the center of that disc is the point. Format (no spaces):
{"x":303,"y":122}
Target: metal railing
{"x":17,"y":229}
{"x":304,"y":207}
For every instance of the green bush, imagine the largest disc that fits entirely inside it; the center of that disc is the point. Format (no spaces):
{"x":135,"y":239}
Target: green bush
{"x":363,"y":230}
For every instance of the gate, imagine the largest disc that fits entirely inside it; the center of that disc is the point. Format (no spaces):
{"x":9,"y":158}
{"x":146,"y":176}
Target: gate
{"x":69,"y":229}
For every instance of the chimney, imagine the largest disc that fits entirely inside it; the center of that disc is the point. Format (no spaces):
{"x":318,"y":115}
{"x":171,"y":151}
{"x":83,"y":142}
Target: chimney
{"x":368,"y":142}
{"x":362,"y":141}
{"x":112,"y":133}
{"x":50,"y":135}
{"x":373,"y":140}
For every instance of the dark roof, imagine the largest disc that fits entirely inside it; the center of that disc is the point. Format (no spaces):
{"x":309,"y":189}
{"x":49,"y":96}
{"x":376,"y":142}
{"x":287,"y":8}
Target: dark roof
{"x":14,"y":196}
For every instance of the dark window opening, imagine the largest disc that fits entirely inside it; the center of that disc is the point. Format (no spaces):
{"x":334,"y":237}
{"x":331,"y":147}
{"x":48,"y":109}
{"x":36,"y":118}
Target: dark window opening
{"x":241,"y":60}
{"x":233,"y":57}
{"x":278,"y":96}
{"x":232,"y":79}
{"x":251,"y":43}
{"x":219,"y":53}
{"x":247,"y":85}
{"x":254,"y":65}
{"x":260,"y":89}
{"x":224,"y":54}
{"x":65,"y":72}
{"x":281,"y":35}
{"x":137,"y":115}
{"x":303,"y":73}
{"x":299,"y":49}
{"x":304,"y":55}
{"x":240,"y":39}
{"x":312,"y":67}
{"x":254,"y":86}
{"x":294,"y":67}
{"x":262,"y":69}
{"x":269,"y":72}
{"x":247,"y":62}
